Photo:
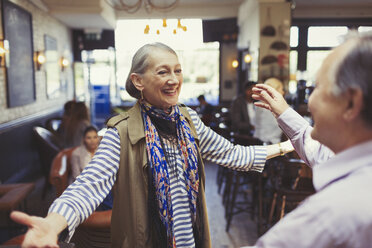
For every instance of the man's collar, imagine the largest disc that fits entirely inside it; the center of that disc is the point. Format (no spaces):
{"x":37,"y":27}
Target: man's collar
{"x":342,"y":164}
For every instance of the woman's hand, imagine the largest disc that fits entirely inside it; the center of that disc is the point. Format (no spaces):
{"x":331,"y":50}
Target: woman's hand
{"x":42,"y":232}
{"x":269,"y":99}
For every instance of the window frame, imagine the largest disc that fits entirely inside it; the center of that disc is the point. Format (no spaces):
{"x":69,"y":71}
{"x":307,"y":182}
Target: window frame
{"x":303,"y":25}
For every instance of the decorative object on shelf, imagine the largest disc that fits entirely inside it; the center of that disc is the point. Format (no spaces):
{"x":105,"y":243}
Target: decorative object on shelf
{"x":269,"y":29}
{"x":268,"y":59}
{"x":163,"y":6}
{"x":279,"y":45}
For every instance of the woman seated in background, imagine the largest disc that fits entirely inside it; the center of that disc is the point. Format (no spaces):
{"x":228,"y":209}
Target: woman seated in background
{"x":67,"y":110}
{"x":81,"y":157}
{"x":76,"y":124}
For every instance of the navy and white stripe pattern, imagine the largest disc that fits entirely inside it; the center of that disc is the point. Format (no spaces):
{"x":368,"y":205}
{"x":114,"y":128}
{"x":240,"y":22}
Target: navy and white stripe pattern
{"x":82,"y":197}
{"x":91,"y":187}
{"x":183,"y":231}
{"x":219,"y":150}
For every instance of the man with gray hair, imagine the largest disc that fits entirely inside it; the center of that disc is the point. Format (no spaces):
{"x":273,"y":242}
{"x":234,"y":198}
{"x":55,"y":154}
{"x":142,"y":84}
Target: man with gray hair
{"x":338,"y":148}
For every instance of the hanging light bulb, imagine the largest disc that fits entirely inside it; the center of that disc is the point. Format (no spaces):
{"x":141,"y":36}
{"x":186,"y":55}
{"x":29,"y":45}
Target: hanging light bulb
{"x":184,"y":28}
{"x":164,"y":22}
{"x":179,"y":24}
{"x":174,"y":31}
{"x":147,"y":29}
{"x":157,"y":31}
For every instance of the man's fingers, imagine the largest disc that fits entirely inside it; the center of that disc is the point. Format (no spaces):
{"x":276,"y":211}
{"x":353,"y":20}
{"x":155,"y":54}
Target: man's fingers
{"x":262,"y":105}
{"x":257,"y":97}
{"x":21,"y":218}
{"x":270,"y":90}
{"x":267,"y":97}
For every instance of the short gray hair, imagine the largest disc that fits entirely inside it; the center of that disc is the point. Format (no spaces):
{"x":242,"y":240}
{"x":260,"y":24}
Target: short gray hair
{"x":354,"y":71}
{"x":140,"y":64}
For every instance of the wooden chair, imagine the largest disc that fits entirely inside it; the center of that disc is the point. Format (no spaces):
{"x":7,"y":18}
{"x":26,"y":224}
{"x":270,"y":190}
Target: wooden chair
{"x":292,"y":186}
{"x":53,"y":124}
{"x":94,"y":231}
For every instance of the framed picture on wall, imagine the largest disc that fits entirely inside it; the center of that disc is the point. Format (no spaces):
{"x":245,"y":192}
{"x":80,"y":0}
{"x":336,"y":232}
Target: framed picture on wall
{"x":52,"y":67}
{"x":17,"y":27}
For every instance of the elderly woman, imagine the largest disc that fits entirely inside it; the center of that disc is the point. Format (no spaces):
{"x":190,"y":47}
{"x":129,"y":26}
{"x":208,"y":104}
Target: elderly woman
{"x":153,"y":157}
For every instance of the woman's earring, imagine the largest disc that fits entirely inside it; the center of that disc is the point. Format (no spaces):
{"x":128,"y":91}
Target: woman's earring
{"x":141,"y":95}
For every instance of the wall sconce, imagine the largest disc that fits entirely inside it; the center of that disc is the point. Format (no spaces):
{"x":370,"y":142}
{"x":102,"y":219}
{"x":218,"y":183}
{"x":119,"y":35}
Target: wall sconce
{"x":4,"y":53}
{"x":234,"y":64}
{"x":39,"y":59}
{"x":64,"y":63}
{"x":248,"y":58}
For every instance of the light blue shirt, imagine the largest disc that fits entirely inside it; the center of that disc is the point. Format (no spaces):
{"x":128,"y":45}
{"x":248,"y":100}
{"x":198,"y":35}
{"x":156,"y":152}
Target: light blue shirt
{"x":340,"y":213}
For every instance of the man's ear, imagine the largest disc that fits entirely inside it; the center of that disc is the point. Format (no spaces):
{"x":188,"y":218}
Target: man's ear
{"x":355,"y":104}
{"x":137,"y":81}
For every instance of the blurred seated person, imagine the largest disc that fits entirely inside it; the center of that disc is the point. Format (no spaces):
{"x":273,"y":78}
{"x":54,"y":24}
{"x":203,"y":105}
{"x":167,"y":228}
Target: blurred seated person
{"x":76,"y":124}
{"x":83,"y":154}
{"x":81,"y":157}
{"x":205,"y":110}
{"x":267,"y":128}
{"x":67,"y":110}
{"x":242,"y":112}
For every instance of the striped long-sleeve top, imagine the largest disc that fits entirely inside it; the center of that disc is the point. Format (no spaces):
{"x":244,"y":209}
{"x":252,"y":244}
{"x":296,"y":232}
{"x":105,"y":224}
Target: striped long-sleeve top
{"x":90,"y":188}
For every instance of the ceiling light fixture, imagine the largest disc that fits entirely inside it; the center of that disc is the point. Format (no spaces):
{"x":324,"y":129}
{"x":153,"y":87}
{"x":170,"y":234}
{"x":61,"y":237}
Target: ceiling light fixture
{"x":165,"y":25}
{"x":120,"y":5}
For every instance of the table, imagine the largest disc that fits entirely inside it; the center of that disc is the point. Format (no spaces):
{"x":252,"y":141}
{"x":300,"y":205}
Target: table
{"x":12,"y":196}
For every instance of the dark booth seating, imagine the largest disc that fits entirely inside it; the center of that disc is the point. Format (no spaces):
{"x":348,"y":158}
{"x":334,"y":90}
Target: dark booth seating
{"x":48,"y":147}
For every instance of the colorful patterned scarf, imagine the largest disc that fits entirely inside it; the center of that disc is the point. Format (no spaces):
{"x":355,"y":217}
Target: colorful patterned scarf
{"x":158,"y":162}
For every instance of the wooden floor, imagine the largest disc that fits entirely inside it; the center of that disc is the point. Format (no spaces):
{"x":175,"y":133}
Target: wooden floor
{"x":242,"y":230}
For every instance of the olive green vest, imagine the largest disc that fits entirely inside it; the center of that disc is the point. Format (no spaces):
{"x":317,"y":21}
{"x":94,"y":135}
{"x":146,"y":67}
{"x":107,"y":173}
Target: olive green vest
{"x":129,"y":221}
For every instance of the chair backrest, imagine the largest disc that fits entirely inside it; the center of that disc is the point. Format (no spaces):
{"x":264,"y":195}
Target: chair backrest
{"x":53,"y":124}
{"x":60,"y":170}
{"x":94,"y":231}
{"x":296,"y":175}
{"x":48,"y":147}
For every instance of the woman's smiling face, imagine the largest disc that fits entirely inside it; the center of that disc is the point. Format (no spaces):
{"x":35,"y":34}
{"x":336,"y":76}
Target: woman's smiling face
{"x":161,"y":83}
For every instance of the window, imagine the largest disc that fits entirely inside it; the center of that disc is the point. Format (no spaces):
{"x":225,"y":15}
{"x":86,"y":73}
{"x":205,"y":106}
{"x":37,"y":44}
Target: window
{"x":293,"y":37}
{"x":200,"y":61}
{"x":326,"y":36}
{"x":311,"y":41}
{"x":314,"y":61}
{"x":292,"y":87}
{"x":365,"y":29}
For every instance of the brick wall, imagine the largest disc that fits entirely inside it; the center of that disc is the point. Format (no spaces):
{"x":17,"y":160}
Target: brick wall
{"x":42,"y":23}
